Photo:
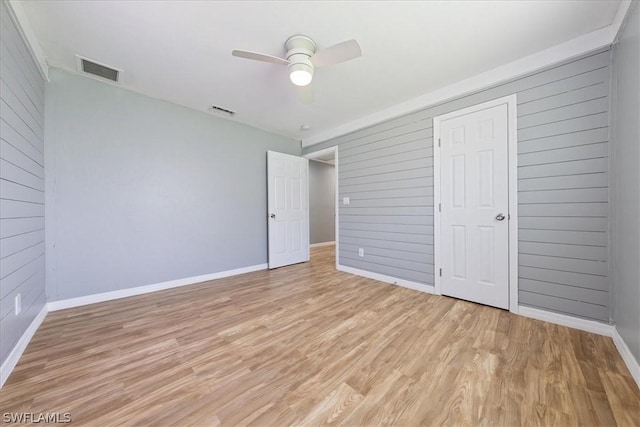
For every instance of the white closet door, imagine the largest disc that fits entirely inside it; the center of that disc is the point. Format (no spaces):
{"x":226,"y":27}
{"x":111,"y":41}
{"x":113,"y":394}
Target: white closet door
{"x":474,"y":195}
{"x":288,"y":209}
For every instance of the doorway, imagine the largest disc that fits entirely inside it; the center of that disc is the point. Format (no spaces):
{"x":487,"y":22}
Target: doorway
{"x":475,"y":217}
{"x":323,"y":193}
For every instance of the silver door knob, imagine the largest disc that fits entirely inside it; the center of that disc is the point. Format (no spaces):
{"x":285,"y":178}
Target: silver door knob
{"x":500,"y":217}
{"x":273,"y":216}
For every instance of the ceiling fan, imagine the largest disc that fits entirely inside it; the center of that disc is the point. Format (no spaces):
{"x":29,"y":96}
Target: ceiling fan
{"x":302,"y":58}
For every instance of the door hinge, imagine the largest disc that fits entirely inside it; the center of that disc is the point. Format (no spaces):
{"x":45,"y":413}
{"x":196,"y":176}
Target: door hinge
{"x":440,"y":272}
{"x":439,"y":142}
{"x":439,"y":207}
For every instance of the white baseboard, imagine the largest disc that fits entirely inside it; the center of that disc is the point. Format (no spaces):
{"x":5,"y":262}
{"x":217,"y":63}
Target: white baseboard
{"x":11,"y":361}
{"x":123,"y":293}
{"x":627,"y":356}
{"x":564,"y":320}
{"x":388,"y":279}
{"x":317,"y":245}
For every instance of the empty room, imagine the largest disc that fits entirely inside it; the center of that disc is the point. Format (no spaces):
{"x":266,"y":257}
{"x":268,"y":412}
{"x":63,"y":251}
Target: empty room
{"x":358,"y":213}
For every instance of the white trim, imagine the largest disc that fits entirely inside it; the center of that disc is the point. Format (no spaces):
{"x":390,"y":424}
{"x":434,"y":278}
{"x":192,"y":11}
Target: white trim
{"x":565,"y":320}
{"x":512,"y":144}
{"x":317,"y":245}
{"x":19,"y":17}
{"x":337,"y":214}
{"x":627,"y":356}
{"x":618,"y":20}
{"x":123,"y":293}
{"x":12,"y":359}
{"x":512,"y":122}
{"x":553,"y":55}
{"x":437,"y":262}
{"x":387,"y":279}
{"x":308,"y":224}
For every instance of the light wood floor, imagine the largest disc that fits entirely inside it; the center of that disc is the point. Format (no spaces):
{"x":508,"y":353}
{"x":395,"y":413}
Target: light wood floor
{"x":306,"y":345}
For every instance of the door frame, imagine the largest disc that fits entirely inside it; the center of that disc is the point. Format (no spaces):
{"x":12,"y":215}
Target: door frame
{"x":512,"y":155}
{"x":314,"y":156}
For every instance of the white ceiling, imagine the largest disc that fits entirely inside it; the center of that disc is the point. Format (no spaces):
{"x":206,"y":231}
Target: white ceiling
{"x":181,"y":50}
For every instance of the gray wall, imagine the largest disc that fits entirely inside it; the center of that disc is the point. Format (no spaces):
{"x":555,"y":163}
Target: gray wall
{"x":142,"y":191}
{"x":563,"y":146}
{"x":626,"y":184}
{"x":322,"y":202}
{"x":22,"y":263}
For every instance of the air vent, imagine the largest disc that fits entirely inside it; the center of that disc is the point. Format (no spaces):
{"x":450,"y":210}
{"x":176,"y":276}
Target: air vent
{"x":97,"y":69}
{"x":222,"y":110}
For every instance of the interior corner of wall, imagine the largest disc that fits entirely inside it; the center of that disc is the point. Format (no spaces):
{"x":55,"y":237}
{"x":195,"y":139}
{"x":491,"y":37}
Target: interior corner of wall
{"x":19,"y":17}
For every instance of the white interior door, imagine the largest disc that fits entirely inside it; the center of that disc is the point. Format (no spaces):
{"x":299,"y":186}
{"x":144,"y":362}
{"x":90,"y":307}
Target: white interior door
{"x":474,"y":194}
{"x":288,"y":203}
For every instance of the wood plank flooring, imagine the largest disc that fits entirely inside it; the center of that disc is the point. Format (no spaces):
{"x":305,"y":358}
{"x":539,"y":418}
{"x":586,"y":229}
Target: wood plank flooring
{"x":307,"y":345}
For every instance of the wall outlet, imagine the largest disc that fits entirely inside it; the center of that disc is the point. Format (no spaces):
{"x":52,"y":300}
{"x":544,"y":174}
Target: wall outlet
{"x":18,"y":304}
{"x":360,"y":251}
{"x":346,"y":201}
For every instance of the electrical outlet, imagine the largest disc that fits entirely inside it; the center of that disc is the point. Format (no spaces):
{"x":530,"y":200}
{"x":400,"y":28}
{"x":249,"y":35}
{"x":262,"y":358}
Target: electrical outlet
{"x":18,"y":304}
{"x":360,"y":251}
{"x":346,"y":201}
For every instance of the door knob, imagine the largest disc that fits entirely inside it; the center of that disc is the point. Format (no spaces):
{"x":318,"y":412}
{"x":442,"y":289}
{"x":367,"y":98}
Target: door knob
{"x":273,"y":216}
{"x":500,"y":217}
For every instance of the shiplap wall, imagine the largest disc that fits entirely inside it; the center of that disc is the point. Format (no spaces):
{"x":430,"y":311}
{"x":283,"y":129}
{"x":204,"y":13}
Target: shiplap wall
{"x":22,"y":268}
{"x":563,"y":143}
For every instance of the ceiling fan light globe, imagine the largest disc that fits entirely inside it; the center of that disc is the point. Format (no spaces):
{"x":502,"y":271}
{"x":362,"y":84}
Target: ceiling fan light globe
{"x":301,"y":73}
{"x":300,"y":77}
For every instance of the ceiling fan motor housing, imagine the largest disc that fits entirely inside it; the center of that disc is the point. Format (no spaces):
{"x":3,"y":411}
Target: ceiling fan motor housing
{"x":299,"y":51}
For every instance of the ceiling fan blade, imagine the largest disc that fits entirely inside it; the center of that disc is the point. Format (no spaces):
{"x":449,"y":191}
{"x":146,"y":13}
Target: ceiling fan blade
{"x":305,"y":94}
{"x":337,"y":53}
{"x":259,"y":57}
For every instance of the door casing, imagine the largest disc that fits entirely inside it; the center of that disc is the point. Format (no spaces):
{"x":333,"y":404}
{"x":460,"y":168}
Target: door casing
{"x":512,"y":138}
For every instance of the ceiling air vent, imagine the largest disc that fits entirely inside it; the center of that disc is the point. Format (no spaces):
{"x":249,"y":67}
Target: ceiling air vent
{"x":222,"y":110}
{"x":99,"y":70}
